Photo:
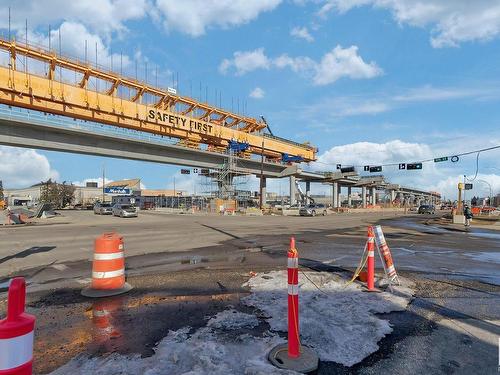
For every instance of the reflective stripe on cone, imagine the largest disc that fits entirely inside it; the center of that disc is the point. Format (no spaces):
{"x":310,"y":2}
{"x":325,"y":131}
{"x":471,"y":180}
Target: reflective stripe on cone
{"x":16,"y":351}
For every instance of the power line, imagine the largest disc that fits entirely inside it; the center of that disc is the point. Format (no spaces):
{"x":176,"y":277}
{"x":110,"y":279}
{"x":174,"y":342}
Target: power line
{"x":426,"y":160}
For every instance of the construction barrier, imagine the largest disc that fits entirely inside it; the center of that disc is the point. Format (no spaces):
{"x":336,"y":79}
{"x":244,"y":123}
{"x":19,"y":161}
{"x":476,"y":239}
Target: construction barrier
{"x":16,"y":333}
{"x":293,"y":301}
{"x":370,"y":247}
{"x":108,"y":267}
{"x":386,"y":254}
{"x":293,"y":355}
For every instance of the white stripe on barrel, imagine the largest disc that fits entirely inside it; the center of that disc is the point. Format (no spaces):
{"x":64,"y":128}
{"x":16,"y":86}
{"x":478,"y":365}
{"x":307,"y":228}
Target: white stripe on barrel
{"x":293,"y":290}
{"x":108,"y":256}
{"x":108,"y":274}
{"x":16,"y":351}
{"x":293,"y":262}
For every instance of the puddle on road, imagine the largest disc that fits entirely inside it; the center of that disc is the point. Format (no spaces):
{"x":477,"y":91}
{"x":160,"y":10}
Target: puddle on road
{"x":488,"y":235}
{"x":485,"y":256}
{"x":122,"y":324}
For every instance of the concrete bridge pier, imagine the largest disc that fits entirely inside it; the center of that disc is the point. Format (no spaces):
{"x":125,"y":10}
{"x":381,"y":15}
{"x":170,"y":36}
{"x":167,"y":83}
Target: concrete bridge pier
{"x":293,"y":192}
{"x":363,"y":196}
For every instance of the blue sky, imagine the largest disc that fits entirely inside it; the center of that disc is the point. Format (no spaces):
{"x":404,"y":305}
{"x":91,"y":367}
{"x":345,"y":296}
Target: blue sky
{"x":367,"y":81}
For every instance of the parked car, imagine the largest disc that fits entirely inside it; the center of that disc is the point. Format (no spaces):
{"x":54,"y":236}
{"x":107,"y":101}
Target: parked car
{"x":313,"y":210}
{"x":103,"y":208}
{"x":124,"y":210}
{"x":426,"y":209}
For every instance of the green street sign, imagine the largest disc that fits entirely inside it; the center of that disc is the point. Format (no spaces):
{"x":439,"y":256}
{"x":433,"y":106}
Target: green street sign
{"x":437,"y":160}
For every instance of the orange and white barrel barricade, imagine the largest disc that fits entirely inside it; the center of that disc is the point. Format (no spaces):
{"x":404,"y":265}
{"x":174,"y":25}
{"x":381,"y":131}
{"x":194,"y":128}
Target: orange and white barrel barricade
{"x":370,"y":265}
{"x":16,"y":333}
{"x":108,"y":267}
{"x":387,"y":261}
{"x":293,"y":355}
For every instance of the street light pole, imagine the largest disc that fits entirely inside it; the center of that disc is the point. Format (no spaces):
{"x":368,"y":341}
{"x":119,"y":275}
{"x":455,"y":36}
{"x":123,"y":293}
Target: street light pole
{"x":490,"y":197}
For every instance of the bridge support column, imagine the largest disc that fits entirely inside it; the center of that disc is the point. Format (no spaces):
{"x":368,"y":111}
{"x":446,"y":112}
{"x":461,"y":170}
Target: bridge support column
{"x":308,"y":192}
{"x":393,"y":196}
{"x":293,"y":193}
{"x":374,"y":196}
{"x":335,"y":194}
{"x":349,"y":197}
{"x":363,"y":196}
{"x":263,"y":192}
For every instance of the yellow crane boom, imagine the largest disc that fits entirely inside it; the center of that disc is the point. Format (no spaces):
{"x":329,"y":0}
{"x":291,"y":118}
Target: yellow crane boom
{"x":145,"y":108}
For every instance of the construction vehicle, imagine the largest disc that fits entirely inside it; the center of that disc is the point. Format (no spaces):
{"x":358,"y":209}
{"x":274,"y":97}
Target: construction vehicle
{"x":304,"y":199}
{"x":3,"y":204}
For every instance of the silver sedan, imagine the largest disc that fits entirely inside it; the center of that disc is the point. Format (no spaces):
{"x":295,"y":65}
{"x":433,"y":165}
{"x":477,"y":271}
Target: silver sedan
{"x":124,"y":210}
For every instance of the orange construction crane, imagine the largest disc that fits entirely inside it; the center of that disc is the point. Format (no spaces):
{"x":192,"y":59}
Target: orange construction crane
{"x":106,"y":97}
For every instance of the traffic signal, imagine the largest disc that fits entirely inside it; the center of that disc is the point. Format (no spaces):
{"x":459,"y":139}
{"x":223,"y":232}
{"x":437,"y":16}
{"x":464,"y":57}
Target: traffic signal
{"x":347,"y":169}
{"x":402,"y":166}
{"x":376,"y":169}
{"x":366,"y":168}
{"x":437,"y":160}
{"x":185,"y":171}
{"x":413,"y":166}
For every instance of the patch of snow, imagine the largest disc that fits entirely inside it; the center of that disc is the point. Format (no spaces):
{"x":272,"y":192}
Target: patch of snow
{"x":232,"y":319}
{"x":339,"y":322}
{"x":203,"y":352}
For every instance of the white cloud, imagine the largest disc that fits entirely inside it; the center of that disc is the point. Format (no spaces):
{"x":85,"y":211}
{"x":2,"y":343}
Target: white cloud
{"x":97,"y":179}
{"x":24,"y":167}
{"x":103,"y":18}
{"x":448,"y":186}
{"x":338,"y":63}
{"x":193,"y":17}
{"x":302,"y":33}
{"x":73,"y":38}
{"x":452,"y":21}
{"x":244,"y":62}
{"x":344,"y":62}
{"x":442,"y":177}
{"x":430,"y":93}
{"x":362,"y":153}
{"x":257,"y":93}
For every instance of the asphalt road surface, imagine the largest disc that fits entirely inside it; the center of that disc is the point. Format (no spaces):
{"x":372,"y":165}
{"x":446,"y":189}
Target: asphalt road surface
{"x":452,"y":325}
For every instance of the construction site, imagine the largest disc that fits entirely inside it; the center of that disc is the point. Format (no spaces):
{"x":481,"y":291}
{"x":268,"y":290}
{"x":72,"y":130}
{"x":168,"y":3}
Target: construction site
{"x":345,"y":269}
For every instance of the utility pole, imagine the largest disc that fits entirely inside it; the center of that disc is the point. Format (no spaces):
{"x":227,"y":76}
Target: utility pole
{"x":261,"y":174}
{"x":103,"y":179}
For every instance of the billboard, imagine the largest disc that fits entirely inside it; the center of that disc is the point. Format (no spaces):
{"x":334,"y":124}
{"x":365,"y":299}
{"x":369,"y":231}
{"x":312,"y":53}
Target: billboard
{"x":117,"y":191}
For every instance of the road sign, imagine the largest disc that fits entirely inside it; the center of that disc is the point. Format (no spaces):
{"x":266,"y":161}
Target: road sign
{"x":185,"y":171}
{"x":402,"y":166}
{"x":376,"y":169}
{"x":468,"y":186}
{"x":437,"y":160}
{"x":366,"y":168}
{"x":454,"y":159}
{"x":413,"y":166}
{"x":347,"y":169}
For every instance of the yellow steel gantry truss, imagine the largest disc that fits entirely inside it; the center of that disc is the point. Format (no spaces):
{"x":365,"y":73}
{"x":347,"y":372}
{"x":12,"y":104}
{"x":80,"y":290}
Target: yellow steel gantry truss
{"x":164,"y":113}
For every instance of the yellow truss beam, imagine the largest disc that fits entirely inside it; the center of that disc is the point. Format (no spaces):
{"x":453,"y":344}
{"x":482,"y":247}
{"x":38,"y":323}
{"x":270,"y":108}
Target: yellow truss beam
{"x":214,"y":128}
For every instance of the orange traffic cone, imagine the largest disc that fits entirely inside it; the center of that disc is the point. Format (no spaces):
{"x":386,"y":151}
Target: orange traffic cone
{"x":108,"y":267}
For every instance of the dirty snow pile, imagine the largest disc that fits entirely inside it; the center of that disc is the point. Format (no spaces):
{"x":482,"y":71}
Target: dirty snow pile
{"x":338,"y":321}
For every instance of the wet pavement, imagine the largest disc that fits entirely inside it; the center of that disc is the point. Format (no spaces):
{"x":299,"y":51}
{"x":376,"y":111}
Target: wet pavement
{"x":457,"y":296}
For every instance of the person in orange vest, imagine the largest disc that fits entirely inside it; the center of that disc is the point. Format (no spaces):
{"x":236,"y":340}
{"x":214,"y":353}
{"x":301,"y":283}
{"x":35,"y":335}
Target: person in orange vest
{"x":468,"y":215}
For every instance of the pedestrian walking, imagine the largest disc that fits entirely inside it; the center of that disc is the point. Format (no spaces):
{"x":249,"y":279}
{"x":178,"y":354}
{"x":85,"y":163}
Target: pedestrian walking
{"x":468,"y":215}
